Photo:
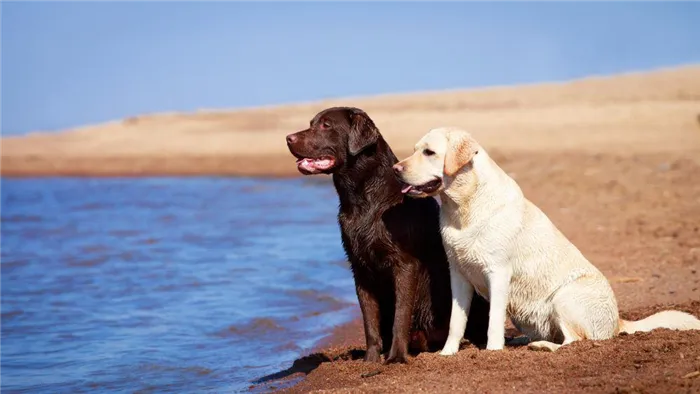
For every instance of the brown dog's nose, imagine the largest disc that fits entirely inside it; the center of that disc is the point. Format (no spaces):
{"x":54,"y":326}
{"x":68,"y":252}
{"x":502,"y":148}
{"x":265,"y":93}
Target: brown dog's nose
{"x":398,"y":168}
{"x":292,"y":138}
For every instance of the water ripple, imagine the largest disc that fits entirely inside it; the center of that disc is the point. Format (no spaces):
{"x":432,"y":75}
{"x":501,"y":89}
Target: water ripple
{"x":165,"y":285}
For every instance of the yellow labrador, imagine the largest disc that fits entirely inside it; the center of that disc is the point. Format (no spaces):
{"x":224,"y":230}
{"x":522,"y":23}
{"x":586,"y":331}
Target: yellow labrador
{"x":506,"y":249}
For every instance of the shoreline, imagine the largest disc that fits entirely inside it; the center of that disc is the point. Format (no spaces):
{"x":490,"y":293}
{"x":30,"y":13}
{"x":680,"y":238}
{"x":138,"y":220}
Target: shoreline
{"x":634,"y":112}
{"x":264,"y":166}
{"x":282,"y":166}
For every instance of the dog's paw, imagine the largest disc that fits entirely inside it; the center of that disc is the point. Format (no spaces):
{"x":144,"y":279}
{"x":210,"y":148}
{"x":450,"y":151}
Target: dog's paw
{"x":373,"y":355}
{"x":450,"y":349}
{"x":398,"y":358}
{"x":543,"y":346}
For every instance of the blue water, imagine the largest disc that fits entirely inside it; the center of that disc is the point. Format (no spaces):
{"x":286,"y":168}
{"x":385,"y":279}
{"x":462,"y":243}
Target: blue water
{"x":166,"y":285}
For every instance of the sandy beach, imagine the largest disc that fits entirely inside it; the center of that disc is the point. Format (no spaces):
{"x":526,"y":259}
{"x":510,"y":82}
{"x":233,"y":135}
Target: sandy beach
{"x":613,"y":161}
{"x":637,"y":112}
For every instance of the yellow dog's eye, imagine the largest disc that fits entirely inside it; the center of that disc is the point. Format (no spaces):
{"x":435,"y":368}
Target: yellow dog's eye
{"x":428,"y":152}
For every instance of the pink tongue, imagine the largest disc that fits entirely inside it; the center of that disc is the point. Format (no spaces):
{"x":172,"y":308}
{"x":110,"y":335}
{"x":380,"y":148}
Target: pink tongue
{"x":307,"y":164}
{"x":406,"y":189}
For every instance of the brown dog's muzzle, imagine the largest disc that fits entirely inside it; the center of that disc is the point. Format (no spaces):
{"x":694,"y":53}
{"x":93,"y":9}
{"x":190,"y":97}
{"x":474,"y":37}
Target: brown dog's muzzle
{"x":292,"y":138}
{"x":306,"y":164}
{"x":296,"y":144}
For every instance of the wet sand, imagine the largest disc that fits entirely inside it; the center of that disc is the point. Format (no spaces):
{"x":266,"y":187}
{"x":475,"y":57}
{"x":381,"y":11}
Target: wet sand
{"x":614,"y":162}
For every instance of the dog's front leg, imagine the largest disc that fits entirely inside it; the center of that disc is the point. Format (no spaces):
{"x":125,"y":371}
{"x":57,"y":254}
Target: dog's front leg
{"x":499,"y":286}
{"x":462,"y":295}
{"x":406,"y":280}
{"x":369,"y":305}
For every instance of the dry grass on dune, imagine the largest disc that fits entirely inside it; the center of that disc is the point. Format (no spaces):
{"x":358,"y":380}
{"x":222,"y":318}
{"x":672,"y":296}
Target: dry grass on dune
{"x":651,"y":111}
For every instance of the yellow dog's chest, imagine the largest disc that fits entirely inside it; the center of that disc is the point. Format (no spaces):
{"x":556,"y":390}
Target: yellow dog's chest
{"x":472,"y":262}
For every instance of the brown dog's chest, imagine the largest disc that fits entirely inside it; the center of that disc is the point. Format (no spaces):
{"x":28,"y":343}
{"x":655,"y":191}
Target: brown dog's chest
{"x":367,"y":241}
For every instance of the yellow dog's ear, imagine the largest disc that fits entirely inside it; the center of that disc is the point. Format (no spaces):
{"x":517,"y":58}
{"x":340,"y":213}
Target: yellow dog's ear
{"x":461,"y":148}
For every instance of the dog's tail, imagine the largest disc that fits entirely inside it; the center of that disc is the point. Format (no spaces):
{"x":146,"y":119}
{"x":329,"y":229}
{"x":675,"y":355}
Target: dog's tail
{"x":673,"y":320}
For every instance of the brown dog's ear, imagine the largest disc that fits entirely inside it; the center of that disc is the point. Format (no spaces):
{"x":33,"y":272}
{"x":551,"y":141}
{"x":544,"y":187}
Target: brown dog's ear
{"x":363,"y":132}
{"x":461,"y":148}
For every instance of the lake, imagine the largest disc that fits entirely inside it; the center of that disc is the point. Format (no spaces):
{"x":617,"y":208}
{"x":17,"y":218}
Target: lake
{"x":166,"y":284}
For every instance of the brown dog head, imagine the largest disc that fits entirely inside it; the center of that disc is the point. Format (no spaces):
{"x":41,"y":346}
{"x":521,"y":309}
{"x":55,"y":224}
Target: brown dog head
{"x":334,"y":135}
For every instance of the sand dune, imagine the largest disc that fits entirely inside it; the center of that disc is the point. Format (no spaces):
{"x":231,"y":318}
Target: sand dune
{"x":638,"y":112}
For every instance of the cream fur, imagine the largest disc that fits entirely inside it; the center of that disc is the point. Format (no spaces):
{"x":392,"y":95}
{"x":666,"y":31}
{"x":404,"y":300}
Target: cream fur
{"x":506,"y":249}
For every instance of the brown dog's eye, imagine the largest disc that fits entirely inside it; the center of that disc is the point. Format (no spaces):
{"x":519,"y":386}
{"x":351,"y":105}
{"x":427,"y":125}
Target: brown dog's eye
{"x":428,"y":152}
{"x":326,"y":124}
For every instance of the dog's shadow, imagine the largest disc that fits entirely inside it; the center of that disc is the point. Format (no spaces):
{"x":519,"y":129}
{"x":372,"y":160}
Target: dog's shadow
{"x":309,"y":363}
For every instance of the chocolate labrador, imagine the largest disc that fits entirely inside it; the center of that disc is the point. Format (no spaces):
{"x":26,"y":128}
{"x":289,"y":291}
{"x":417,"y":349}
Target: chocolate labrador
{"x":392,"y":241}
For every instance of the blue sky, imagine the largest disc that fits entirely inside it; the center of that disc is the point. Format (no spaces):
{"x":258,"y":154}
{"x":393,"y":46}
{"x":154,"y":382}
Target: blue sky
{"x":71,"y":64}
